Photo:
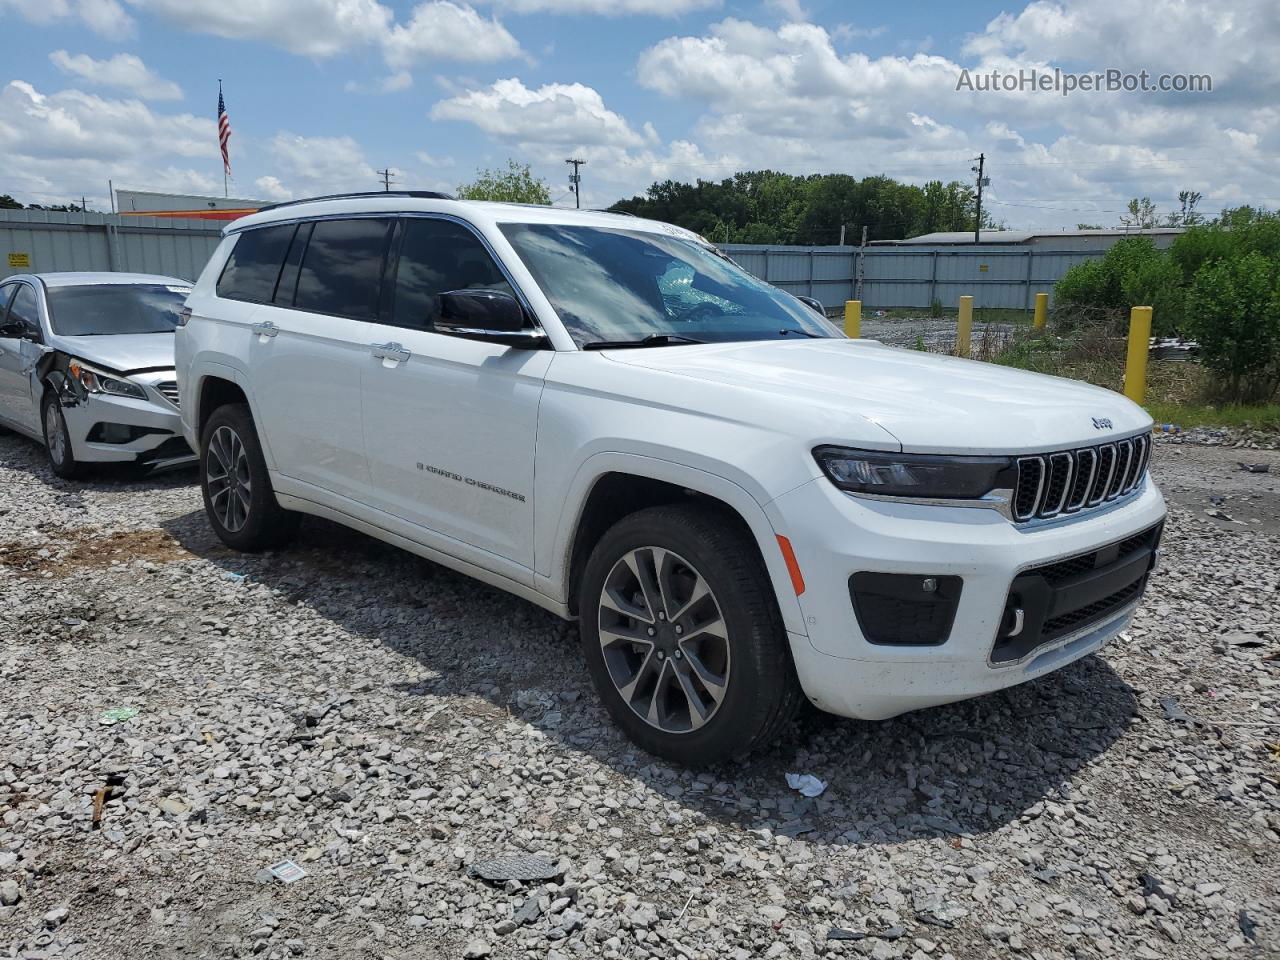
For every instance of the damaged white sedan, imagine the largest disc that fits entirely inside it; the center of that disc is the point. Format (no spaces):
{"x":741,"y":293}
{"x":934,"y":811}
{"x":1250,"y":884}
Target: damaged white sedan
{"x":86,"y":367}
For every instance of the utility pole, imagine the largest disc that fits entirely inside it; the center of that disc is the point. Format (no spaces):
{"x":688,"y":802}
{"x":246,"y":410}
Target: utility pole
{"x":387,"y":176}
{"x":576,"y":179}
{"x":982,"y":182}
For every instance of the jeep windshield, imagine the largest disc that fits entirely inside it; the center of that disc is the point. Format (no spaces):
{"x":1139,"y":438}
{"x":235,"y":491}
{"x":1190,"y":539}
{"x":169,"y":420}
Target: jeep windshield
{"x":620,"y":288}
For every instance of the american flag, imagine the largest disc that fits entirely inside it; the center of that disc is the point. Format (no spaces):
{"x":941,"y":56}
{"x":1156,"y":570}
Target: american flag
{"x":224,"y":132}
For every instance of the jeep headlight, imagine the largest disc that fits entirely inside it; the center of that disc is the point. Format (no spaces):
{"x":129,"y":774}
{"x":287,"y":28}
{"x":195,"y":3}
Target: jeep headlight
{"x":95,"y":381}
{"x":932,"y":476}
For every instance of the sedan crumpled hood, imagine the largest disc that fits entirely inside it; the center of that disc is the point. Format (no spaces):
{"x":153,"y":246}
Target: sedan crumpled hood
{"x":126,"y":353}
{"x":929,"y":402}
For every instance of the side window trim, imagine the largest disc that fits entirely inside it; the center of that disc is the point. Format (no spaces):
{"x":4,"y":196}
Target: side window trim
{"x":488,"y":248}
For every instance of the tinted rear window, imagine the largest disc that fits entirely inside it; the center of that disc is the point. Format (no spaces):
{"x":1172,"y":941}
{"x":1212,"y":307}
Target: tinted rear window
{"x":342,"y":269}
{"x":254,"y":264}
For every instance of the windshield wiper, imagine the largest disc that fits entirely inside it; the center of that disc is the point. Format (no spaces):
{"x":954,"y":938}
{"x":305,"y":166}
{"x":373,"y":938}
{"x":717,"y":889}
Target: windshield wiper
{"x":652,"y":340}
{"x":803,"y":333}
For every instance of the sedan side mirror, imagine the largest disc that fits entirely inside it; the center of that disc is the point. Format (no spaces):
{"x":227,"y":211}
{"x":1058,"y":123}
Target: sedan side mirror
{"x":17,"y":330}
{"x":813,"y":304}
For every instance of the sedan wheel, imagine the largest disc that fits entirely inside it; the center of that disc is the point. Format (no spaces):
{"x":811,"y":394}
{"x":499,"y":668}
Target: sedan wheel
{"x":664,"y":640}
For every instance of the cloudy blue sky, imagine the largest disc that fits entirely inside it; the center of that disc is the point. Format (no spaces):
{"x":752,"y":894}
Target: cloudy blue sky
{"x":321,"y":93}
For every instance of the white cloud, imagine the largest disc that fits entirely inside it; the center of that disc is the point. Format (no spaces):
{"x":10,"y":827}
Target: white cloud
{"x":124,"y":71}
{"x":442,"y":30}
{"x":105,"y":17}
{"x":610,"y":8}
{"x":61,"y":145}
{"x":311,"y":166}
{"x":270,"y":188}
{"x":315,"y":28}
{"x":787,"y":98}
{"x":561,"y":114}
{"x":435,"y":30}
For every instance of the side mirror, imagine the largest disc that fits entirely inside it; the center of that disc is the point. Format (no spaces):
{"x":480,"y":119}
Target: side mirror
{"x":17,"y":330}
{"x":813,"y":304}
{"x":480,"y":312}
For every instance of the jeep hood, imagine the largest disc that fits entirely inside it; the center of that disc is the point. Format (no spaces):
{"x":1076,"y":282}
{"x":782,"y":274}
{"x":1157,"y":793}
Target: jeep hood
{"x":929,"y":402}
{"x":126,"y":353}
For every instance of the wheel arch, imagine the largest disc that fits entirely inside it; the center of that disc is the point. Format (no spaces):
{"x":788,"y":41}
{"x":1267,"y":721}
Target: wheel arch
{"x":213,"y":392}
{"x":611,"y":486}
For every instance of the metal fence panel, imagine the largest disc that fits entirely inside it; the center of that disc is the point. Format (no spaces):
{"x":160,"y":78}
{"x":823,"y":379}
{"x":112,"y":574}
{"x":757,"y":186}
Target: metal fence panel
{"x":50,"y":241}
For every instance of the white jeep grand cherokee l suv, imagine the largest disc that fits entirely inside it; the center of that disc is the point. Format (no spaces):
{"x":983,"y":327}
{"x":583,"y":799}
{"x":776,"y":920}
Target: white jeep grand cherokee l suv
{"x":606,"y":417}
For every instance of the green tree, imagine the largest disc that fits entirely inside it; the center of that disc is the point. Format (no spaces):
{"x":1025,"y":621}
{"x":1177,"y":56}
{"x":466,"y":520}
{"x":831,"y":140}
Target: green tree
{"x":1142,"y":214}
{"x":1233,"y":310}
{"x":515,"y":184}
{"x":8,"y":203}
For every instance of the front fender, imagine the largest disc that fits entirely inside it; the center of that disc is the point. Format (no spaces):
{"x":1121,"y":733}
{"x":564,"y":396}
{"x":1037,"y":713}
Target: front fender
{"x":556,"y":584}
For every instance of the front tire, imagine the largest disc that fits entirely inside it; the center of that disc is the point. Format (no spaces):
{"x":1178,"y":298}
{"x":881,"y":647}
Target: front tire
{"x":681,"y":632}
{"x":238,"y":496}
{"x":57,"y":440}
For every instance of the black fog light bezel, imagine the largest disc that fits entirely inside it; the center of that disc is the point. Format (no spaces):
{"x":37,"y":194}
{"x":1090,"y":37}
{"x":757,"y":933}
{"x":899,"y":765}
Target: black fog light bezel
{"x":905,"y":609}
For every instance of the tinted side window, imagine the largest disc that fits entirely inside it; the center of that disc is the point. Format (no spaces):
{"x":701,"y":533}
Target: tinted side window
{"x":25,"y":309}
{"x":251,"y":270}
{"x":6,"y":294}
{"x":288,"y":285}
{"x":435,"y":257}
{"x":342,"y":269}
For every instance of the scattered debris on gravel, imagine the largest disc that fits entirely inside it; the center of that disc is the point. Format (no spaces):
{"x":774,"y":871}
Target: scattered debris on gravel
{"x":340,"y":750}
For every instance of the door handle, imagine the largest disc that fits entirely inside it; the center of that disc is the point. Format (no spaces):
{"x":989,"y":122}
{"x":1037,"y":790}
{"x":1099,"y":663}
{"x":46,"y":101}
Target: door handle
{"x":389,"y":351}
{"x":266,"y":329}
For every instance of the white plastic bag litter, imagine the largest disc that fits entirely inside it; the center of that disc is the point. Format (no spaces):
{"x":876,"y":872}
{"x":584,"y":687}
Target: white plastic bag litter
{"x":806,"y":784}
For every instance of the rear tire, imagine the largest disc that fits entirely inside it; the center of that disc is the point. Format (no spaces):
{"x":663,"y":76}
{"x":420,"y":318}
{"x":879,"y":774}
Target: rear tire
{"x":238,"y":496}
{"x":706,"y":677}
{"x":57,"y":440}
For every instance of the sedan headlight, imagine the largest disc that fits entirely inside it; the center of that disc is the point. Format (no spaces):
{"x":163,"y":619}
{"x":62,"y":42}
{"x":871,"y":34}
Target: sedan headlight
{"x":915,"y":475}
{"x":95,"y":381}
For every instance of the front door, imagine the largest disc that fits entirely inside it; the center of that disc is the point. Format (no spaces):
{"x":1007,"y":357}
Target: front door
{"x":450,"y":423}
{"x":18,"y":355}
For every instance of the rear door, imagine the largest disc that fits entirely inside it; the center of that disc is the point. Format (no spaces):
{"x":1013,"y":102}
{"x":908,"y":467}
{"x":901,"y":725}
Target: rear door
{"x":19,"y":310}
{"x":450,"y":422}
{"x":310,"y":341}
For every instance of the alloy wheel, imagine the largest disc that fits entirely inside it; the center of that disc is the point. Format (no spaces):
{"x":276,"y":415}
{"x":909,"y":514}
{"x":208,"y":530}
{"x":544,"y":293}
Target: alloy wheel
{"x":55,"y":437}
{"x":664,"y":640}
{"x":227,"y":475}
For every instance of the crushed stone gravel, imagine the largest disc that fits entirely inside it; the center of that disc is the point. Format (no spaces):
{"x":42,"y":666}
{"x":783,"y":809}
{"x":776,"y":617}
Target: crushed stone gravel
{"x":386,"y":724}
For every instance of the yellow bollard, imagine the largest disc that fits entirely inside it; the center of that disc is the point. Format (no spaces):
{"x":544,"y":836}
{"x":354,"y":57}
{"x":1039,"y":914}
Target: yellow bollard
{"x":1135,"y":368}
{"x":1042,"y":310}
{"x":853,"y":319}
{"x":964,"y":327}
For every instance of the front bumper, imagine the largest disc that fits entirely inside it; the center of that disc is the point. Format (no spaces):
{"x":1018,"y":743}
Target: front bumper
{"x":147,"y":432}
{"x":836,"y":535}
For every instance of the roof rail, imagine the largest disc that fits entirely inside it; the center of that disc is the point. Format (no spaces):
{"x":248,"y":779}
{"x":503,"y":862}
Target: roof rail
{"x":616,"y":213}
{"x":416,"y":194}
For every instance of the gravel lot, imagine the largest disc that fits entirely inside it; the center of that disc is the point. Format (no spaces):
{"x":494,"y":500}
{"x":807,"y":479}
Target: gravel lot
{"x":385,"y":723}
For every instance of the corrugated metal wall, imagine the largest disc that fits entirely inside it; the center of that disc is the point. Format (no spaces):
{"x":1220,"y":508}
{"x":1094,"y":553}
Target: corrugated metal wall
{"x":52,"y":242}
{"x":995,"y":275}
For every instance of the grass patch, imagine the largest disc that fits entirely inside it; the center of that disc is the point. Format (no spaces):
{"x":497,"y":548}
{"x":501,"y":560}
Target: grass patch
{"x":1176,"y":391}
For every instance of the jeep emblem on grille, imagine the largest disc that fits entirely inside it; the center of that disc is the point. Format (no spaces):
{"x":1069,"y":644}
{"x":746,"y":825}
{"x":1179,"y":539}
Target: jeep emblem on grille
{"x":1101,"y":423}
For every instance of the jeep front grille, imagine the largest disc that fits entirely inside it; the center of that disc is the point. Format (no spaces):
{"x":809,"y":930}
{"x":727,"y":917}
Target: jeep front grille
{"x":1054,"y":484}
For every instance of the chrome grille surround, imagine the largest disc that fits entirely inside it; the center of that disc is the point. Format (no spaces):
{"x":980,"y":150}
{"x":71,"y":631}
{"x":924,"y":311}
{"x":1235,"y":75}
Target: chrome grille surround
{"x":1068,"y":481}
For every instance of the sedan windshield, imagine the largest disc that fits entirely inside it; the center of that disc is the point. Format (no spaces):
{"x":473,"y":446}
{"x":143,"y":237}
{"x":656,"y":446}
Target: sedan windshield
{"x":115,"y":308}
{"x":634,"y":288}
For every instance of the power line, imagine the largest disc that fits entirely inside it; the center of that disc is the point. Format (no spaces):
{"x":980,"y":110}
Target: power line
{"x":387,"y":176}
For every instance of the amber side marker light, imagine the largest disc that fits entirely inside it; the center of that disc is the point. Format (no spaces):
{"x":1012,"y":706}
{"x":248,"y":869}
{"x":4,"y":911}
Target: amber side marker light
{"x":793,"y":568}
